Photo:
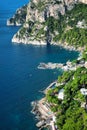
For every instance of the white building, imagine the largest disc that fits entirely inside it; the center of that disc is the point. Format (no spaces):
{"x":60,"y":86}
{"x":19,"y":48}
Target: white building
{"x":61,"y":94}
{"x":83,"y":91}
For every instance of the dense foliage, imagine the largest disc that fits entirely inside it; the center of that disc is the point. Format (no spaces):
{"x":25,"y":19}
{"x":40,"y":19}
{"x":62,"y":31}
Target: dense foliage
{"x":75,"y":36}
{"x":84,"y":55}
{"x":69,"y":111}
{"x":70,"y":32}
{"x":66,"y":29}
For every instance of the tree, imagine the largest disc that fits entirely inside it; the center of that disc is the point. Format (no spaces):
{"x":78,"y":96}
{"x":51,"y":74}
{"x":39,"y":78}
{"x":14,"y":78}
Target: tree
{"x":69,"y":125}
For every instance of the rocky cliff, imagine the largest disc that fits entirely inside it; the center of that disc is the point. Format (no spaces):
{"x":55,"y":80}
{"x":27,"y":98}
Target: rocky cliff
{"x":19,"y":18}
{"x":43,"y":20}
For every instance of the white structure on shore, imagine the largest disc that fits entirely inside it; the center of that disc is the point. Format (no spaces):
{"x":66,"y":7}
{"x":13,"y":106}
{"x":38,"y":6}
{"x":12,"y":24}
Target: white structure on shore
{"x":61,"y":94}
{"x":83,"y":91}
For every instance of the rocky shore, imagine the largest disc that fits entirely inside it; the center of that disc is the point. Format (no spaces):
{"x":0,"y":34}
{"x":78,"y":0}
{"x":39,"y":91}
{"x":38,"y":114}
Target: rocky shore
{"x":70,"y":47}
{"x":41,"y":109}
{"x":65,"y":67}
{"x":50,"y":65}
{"x":41,"y":120}
{"x":36,"y":42}
{"x":39,"y":20}
{"x":46,"y":118}
{"x":27,"y":41}
{"x":34,"y":19}
{"x":32,"y":41}
{"x":19,"y":18}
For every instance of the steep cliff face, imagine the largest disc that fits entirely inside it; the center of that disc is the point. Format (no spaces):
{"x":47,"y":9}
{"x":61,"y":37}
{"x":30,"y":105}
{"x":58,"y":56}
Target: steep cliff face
{"x":40,"y":10}
{"x":43,"y":18}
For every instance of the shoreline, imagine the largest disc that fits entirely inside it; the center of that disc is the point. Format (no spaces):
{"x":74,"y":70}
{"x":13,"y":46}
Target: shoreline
{"x":64,"y":45}
{"x":69,"y":47}
{"x":27,"y":41}
{"x":41,"y":110}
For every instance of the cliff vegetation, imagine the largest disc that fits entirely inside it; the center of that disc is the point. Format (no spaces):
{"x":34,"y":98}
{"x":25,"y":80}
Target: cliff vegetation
{"x":71,"y":111}
{"x":52,"y":22}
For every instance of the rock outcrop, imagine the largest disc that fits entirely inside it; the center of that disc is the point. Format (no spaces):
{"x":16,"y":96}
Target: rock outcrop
{"x":19,"y":18}
{"x":38,"y":19}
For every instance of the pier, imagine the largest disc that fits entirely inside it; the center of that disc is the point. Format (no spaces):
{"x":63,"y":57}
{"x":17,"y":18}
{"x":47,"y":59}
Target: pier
{"x":52,"y":85}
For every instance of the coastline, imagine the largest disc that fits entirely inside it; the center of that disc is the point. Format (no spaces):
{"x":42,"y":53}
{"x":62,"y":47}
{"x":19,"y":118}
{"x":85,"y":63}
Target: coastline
{"x":41,"y":43}
{"x":70,"y":47}
{"x":43,"y":121}
{"x":27,"y":41}
{"x":41,"y":110}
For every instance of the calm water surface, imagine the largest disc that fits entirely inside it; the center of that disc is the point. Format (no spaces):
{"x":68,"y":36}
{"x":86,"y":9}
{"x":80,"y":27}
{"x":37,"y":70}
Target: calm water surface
{"x":20,"y":80}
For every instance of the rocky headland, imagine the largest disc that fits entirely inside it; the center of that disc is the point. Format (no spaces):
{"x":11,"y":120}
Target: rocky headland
{"x":47,"y":21}
{"x":19,"y":18}
{"x":64,"y":23}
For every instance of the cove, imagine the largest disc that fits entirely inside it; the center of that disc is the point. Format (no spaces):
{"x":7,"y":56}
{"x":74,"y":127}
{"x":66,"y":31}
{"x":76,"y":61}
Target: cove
{"x":20,"y":79}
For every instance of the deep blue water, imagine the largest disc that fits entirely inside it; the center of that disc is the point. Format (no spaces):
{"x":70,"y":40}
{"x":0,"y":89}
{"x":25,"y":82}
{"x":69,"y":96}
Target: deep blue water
{"x":20,"y":80}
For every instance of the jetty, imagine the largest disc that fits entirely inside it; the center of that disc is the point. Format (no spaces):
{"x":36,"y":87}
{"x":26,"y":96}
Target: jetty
{"x":52,"y":85}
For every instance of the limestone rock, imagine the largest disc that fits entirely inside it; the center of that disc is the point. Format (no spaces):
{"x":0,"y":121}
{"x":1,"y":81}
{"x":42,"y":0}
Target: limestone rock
{"x":19,"y":17}
{"x":35,"y":17}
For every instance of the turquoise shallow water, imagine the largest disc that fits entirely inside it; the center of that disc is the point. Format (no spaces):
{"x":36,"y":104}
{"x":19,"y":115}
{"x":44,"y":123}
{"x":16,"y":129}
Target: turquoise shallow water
{"x":20,"y":80}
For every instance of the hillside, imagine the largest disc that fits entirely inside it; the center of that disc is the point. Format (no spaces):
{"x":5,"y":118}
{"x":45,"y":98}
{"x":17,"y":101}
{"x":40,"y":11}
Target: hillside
{"x":52,"y":22}
{"x":70,"y":108}
{"x":64,"y":106}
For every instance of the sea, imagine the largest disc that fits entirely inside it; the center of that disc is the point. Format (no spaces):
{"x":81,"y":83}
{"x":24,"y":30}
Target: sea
{"x":20,"y":79}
